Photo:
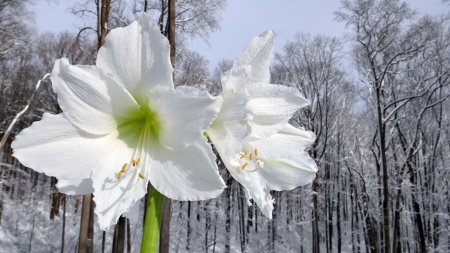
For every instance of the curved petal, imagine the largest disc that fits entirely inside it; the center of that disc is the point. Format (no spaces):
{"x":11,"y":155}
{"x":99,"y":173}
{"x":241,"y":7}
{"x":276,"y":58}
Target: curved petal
{"x":230,"y":124}
{"x":187,"y":174}
{"x":252,"y":66}
{"x":114,"y":194}
{"x":54,"y":146}
{"x":272,"y":106}
{"x":234,"y":108}
{"x":185,"y":114}
{"x":254,"y":185}
{"x":138,"y":56}
{"x":90,"y":99}
{"x":75,"y":187}
{"x":287,"y":164}
{"x":133,"y":213}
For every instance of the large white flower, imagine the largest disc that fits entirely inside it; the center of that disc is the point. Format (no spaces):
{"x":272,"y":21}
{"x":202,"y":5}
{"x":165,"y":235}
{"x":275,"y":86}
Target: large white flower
{"x":259,"y":147}
{"x":123,"y":124}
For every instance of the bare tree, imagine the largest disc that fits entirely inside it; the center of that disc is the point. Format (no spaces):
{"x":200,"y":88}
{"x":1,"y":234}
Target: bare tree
{"x":388,"y":38}
{"x":312,"y":65}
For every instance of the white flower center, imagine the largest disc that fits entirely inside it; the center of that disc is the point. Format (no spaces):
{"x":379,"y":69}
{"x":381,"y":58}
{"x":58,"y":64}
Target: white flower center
{"x":148,"y":128}
{"x":249,"y":161}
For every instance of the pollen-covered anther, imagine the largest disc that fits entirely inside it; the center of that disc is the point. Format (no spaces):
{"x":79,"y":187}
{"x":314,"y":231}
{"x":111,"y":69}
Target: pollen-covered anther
{"x":256,"y":151}
{"x":120,"y":175}
{"x":124,"y":168}
{"x":251,"y":156}
{"x":141,"y":175}
{"x":244,"y":165}
{"x":246,"y":152}
{"x":138,"y":161}
{"x":133,"y":162}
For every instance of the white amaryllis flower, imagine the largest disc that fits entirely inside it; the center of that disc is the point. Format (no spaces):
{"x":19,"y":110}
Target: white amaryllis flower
{"x":259,"y":147}
{"x":123,"y":124}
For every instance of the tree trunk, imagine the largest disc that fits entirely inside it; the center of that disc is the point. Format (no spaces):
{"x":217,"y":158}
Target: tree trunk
{"x":128,"y":237}
{"x":385,"y":178}
{"x":55,"y":198}
{"x":228,"y":217}
{"x":164,"y":239}
{"x":103,"y":241}
{"x":189,"y":228}
{"x":104,"y":22}
{"x":64,"y":197}
{"x":119,"y":236}
{"x":315,"y":220}
{"x":83,"y":244}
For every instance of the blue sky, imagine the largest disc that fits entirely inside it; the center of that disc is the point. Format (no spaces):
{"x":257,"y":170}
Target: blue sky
{"x":241,"y":21}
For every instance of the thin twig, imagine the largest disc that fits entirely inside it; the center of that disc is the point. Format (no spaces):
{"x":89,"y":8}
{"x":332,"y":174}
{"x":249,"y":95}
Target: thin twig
{"x":14,"y":121}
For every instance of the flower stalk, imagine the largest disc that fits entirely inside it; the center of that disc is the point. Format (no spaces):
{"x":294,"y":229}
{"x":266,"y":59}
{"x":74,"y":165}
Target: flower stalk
{"x":153,"y":217}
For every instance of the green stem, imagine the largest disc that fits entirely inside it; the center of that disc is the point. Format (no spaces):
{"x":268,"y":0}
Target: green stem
{"x":153,"y":216}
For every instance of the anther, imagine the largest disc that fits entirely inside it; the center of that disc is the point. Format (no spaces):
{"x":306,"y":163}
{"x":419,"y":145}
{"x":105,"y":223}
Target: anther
{"x":124,"y":167}
{"x":133,"y":162}
{"x":138,"y":161}
{"x":120,"y":175}
{"x":242,"y":157}
{"x":256,"y":151}
{"x":247,"y":151}
{"x":244,"y":165}
{"x":251,"y":156}
{"x":141,"y":175}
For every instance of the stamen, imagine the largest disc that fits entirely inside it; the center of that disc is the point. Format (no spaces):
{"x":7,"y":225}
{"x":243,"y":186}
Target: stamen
{"x":124,"y":167}
{"x":247,"y":151}
{"x":120,"y":175}
{"x":138,"y":161}
{"x":133,"y":162}
{"x":251,"y":156}
{"x":256,"y":151}
{"x":242,"y":157}
{"x":141,"y":175}
{"x":244,"y":165}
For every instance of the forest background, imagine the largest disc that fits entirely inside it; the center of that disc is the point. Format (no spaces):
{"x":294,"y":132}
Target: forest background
{"x":379,"y":108}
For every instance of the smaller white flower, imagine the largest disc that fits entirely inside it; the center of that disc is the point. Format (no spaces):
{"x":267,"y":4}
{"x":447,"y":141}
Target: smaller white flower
{"x":259,"y":147}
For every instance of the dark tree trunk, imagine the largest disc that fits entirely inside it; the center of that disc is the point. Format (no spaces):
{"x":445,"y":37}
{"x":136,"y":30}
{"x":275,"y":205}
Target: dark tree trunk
{"x":63,"y":234}
{"x":119,"y":236}
{"x":55,"y":198}
{"x":128,"y":237}
{"x":315,"y":220}
{"x":164,"y":239}
{"x":83,"y":245}
{"x":104,"y":22}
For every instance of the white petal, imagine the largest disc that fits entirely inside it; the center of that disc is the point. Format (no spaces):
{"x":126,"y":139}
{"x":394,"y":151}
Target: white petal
{"x":138,"y":56}
{"x":252,"y":66}
{"x":57,"y":148}
{"x":185,"y":114}
{"x":75,"y":187}
{"x":234,"y":108}
{"x":231,"y":122}
{"x":272,"y":106}
{"x":91,"y":100}
{"x":114,"y":196}
{"x":133,"y":213}
{"x":287,"y":164}
{"x":254,"y":185}
{"x":187,"y":174}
